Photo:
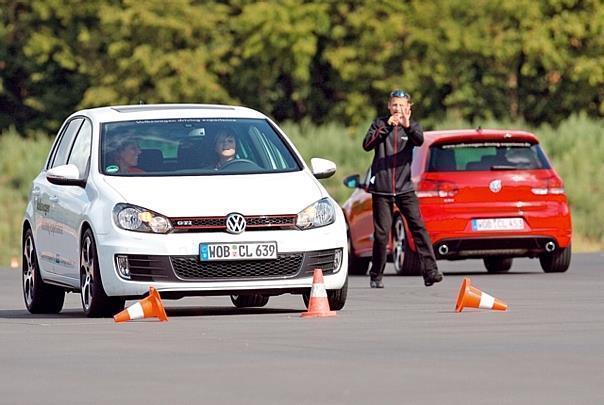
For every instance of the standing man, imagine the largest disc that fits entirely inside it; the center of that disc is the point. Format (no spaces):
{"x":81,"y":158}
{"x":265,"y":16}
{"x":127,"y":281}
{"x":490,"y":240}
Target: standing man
{"x":393,"y":139}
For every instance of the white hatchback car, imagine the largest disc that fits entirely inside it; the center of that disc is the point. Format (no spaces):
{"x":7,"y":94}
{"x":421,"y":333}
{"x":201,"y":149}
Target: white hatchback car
{"x":190,"y":199}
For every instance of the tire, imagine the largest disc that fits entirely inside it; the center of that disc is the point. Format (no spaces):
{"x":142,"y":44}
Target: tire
{"x":357,"y":266}
{"x":412,"y":265}
{"x":249,"y":300}
{"x":556,"y":262}
{"x":398,"y":242}
{"x":336,"y":298}
{"x":95,"y":302}
{"x":497,"y":264}
{"x":39,"y":297}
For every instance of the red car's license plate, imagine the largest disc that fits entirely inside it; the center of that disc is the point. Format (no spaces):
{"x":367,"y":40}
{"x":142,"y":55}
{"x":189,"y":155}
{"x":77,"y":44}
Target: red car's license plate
{"x":498,"y":224}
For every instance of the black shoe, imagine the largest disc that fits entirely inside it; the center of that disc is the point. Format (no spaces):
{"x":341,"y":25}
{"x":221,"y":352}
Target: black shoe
{"x":376,"y":284}
{"x":432,"y":277}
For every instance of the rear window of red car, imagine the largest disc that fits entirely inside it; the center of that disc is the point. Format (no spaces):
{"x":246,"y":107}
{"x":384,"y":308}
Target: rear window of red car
{"x":481,"y":156}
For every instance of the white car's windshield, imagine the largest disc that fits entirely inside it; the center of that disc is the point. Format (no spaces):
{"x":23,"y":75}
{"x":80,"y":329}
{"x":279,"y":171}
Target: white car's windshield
{"x":193,"y":146}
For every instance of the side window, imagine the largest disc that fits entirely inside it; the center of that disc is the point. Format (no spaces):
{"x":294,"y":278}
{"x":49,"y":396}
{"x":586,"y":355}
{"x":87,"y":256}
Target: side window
{"x":80,"y":153}
{"x":61,"y":154}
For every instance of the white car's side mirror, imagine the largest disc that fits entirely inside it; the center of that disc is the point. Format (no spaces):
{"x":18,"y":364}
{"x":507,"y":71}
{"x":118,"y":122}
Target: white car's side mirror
{"x":322,"y":168}
{"x":65,"y":175}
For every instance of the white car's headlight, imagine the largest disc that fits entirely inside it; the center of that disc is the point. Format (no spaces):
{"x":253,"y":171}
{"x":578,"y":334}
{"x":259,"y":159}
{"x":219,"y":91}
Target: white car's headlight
{"x":319,"y":214}
{"x":134,"y":218}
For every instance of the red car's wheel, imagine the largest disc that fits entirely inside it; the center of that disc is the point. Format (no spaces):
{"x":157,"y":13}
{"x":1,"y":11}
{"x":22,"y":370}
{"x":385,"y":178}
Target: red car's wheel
{"x":356,"y":265}
{"x":398,"y":245}
{"x":556,"y":262}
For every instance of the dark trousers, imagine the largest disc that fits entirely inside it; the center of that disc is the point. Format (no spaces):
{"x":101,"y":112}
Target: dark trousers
{"x":408,"y":205}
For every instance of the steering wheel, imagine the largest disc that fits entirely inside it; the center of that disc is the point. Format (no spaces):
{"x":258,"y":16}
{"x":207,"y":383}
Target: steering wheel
{"x":232,"y":164}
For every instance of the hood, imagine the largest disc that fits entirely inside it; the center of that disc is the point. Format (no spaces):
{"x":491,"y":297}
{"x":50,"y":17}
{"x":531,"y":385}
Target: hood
{"x":191,"y":196}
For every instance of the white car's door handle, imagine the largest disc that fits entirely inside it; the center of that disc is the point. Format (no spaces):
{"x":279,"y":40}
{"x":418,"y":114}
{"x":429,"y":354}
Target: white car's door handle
{"x":35,"y":191}
{"x":53,"y":198}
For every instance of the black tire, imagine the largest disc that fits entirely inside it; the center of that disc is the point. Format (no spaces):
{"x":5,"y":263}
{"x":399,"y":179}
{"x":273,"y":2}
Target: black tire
{"x":39,"y":297}
{"x":412,"y":265}
{"x":249,"y":300}
{"x":357,"y":266}
{"x":556,"y":262}
{"x":95,"y":302}
{"x":336,"y":298}
{"x":398,"y":245}
{"x":498,"y":264}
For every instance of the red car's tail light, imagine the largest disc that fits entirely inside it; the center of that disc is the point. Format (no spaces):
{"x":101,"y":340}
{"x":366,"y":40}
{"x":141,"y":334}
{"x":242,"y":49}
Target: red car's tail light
{"x":434,"y":188}
{"x":553,"y":185}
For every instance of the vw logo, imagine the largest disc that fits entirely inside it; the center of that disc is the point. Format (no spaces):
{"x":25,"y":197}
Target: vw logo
{"x":235,"y":223}
{"x":495,"y":186}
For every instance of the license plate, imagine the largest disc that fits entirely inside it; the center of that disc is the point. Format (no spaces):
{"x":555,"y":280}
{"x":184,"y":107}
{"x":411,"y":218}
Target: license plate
{"x":237,"y":251}
{"x":498,"y":224}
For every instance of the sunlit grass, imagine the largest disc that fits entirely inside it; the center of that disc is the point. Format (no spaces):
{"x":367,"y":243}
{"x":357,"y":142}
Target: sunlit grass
{"x":20,"y":161}
{"x":576,"y":149}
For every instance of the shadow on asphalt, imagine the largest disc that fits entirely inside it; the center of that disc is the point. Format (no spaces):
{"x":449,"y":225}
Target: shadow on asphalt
{"x":454,"y":273}
{"x":175,"y":312}
{"x":222,"y":311}
{"x":23,"y":314}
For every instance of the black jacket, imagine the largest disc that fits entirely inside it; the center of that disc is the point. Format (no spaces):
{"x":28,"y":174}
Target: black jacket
{"x":393,"y":146}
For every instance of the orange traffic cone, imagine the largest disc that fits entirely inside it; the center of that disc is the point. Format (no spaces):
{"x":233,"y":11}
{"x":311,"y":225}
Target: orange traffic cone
{"x":14,"y":262}
{"x":472,"y":297}
{"x":150,"y":307}
{"x":318,"y":306}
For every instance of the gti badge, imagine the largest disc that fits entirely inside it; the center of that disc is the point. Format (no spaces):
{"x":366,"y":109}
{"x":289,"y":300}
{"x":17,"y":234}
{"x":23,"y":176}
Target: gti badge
{"x":495,"y":186}
{"x":235,"y":223}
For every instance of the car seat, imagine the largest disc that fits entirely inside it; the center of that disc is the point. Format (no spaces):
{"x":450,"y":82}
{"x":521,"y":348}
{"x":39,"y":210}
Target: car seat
{"x":476,"y":166}
{"x":195,"y":153}
{"x":151,"y":160}
{"x":442,"y":160}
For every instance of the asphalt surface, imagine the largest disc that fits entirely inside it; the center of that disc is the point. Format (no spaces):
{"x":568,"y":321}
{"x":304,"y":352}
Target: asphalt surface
{"x":404,"y":344}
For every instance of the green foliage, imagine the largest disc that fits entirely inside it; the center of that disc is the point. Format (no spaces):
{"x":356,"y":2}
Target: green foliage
{"x":537,"y":61}
{"x":576,"y":148}
{"x":275,"y":43}
{"x":336,"y":143}
{"x":20,"y":162}
{"x":41,"y":50}
{"x":157,"y":51}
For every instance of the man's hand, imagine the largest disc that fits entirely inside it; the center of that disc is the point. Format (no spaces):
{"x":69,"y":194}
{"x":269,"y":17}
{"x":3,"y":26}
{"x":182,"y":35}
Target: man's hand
{"x":395,"y":119}
{"x":405,"y":119}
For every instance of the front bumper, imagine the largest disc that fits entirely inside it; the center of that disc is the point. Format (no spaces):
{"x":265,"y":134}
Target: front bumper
{"x":170,"y":263}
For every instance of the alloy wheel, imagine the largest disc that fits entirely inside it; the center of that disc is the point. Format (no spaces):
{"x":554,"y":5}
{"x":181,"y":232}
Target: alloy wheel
{"x":29,"y":271}
{"x":87,"y":272}
{"x":398,"y":242}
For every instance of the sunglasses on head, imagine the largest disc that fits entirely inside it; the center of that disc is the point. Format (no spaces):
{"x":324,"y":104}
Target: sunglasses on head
{"x":399,"y":93}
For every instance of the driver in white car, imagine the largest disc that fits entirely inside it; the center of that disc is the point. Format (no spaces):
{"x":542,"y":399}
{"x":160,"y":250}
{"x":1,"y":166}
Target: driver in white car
{"x":225,"y":147}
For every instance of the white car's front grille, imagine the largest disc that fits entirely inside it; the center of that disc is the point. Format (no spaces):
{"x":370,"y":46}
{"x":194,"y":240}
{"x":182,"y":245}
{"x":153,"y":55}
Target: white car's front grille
{"x":190,"y":268}
{"x":218,"y":224}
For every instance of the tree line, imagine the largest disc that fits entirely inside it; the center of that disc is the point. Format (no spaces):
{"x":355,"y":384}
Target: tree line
{"x":536,"y":61}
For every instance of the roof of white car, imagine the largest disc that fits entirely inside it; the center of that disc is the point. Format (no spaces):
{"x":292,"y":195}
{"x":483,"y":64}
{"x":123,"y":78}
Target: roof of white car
{"x":172,"y":111}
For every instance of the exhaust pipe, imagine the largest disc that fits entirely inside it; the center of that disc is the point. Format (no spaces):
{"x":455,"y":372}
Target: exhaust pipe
{"x":444,"y":249}
{"x":550,"y":247}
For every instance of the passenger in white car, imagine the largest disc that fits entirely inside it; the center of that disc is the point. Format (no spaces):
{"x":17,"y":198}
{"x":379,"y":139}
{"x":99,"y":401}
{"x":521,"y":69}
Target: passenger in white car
{"x":125,"y":156}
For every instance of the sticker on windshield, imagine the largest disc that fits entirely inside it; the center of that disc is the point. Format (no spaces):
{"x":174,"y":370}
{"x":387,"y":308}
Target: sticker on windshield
{"x":112,"y":169}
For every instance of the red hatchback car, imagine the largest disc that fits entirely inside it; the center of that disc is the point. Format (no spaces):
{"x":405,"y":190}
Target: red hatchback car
{"x":484,"y":194}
